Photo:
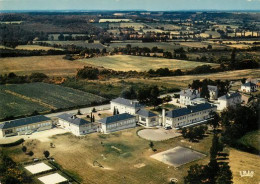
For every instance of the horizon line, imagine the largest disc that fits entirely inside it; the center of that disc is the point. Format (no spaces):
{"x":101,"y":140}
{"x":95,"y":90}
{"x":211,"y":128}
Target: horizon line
{"x":136,"y":10}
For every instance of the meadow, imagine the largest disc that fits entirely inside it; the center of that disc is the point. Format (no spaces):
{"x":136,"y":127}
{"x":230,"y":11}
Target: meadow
{"x":50,"y":65}
{"x":138,"y":63}
{"x":23,"y":99}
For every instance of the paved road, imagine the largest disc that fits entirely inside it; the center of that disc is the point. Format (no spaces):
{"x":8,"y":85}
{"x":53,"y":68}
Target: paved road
{"x":82,"y":110}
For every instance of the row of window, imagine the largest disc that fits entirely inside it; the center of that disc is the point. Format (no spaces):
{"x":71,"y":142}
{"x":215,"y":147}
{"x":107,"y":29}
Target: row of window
{"x":121,"y":123}
{"x":29,"y":127}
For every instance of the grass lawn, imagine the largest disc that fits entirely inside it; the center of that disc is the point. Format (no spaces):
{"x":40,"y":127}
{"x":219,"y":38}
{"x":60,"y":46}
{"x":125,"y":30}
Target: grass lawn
{"x":138,"y":63}
{"x":242,"y":161}
{"x":124,"y":156}
{"x":251,"y":139}
{"x":50,"y":65}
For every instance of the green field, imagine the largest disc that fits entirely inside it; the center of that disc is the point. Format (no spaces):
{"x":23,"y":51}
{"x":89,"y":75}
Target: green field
{"x":251,"y":139}
{"x":23,"y":99}
{"x":138,"y":63}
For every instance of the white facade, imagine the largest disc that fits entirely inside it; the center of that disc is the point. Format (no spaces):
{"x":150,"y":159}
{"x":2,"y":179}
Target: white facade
{"x":213,"y":92}
{"x":186,"y":96}
{"x":188,"y":116}
{"x":248,"y":87}
{"x":148,"y":121}
{"x":124,"y":106}
{"x":25,"y":126}
{"x":76,"y":129}
{"x":118,"y":125}
{"x":229,"y":100}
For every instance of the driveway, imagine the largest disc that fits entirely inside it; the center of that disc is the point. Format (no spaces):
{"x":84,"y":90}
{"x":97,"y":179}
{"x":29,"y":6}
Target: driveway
{"x":42,"y":136}
{"x":158,"y":134}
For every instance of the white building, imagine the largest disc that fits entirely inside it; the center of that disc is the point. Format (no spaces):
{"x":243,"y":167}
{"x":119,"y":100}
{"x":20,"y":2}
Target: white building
{"x":229,"y":100}
{"x":213,"y":92}
{"x":186,"y":96}
{"x":248,"y":87}
{"x":189,"y":116}
{"x":25,"y":126}
{"x":147,"y":118}
{"x":75,"y":125}
{"x":124,"y":106}
{"x":117,"y":122}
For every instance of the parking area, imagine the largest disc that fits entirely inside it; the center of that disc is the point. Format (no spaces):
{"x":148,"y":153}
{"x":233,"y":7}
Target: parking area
{"x":178,"y":156}
{"x":159,"y":134}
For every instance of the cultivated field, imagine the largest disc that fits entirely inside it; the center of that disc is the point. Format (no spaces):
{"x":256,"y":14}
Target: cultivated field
{"x":124,"y":156}
{"x":35,"y":47}
{"x":127,"y":63}
{"x":183,"y":81}
{"x":76,"y":43}
{"x":50,"y":65}
{"x":23,"y":99}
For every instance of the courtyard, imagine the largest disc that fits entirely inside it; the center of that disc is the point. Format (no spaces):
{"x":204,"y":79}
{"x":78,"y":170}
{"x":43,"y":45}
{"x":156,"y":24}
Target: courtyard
{"x":159,"y":134}
{"x":178,"y":156}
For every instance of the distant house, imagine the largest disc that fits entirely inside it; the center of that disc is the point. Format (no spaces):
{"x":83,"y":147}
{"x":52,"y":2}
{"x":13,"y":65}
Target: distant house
{"x":248,"y":87}
{"x":213,"y":92}
{"x":188,"y":116}
{"x":229,"y":100}
{"x":25,"y":126}
{"x":75,"y":125}
{"x":125,"y":106}
{"x":186,"y":96}
{"x":147,"y":118}
{"x":117,"y":122}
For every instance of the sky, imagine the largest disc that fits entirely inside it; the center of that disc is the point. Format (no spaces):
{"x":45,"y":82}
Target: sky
{"x":150,"y":5}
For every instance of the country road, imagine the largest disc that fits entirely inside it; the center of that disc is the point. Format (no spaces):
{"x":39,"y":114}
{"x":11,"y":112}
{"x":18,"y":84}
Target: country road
{"x":82,"y":110}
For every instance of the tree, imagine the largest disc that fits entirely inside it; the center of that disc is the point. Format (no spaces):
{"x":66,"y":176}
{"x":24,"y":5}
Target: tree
{"x":24,"y":149}
{"x":46,"y":154}
{"x":184,"y":132}
{"x":224,"y":175}
{"x":61,"y":37}
{"x":243,"y":80}
{"x":31,"y":153}
{"x":129,"y":93}
{"x":196,"y":174}
{"x":154,"y":96}
{"x":114,"y":112}
{"x":93,"y":119}
{"x":215,"y":119}
{"x":205,"y":91}
{"x":79,"y":113}
{"x":151,"y":145}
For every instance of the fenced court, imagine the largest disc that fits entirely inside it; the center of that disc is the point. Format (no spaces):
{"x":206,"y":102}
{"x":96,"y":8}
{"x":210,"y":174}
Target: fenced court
{"x":52,"y":179}
{"x":38,"y":168}
{"x":178,"y":156}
